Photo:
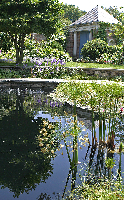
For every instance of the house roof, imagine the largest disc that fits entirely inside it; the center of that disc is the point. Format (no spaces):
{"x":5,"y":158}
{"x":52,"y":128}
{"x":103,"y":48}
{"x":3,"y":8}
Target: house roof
{"x":97,"y":14}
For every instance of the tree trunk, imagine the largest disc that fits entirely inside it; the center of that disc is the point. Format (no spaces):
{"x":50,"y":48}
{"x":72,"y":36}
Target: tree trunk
{"x":19,"y":45}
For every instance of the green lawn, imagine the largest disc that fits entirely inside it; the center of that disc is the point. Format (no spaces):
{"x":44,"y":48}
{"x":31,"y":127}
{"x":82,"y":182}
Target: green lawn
{"x":75,"y":64}
{"x":93,"y":65}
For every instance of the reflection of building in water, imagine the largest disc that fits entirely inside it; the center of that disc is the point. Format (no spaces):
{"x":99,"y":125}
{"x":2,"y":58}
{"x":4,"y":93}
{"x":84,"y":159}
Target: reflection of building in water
{"x":84,"y":115}
{"x":88,"y":122}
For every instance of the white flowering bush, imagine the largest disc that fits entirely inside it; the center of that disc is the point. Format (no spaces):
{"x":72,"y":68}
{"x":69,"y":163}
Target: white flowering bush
{"x":112,"y":57}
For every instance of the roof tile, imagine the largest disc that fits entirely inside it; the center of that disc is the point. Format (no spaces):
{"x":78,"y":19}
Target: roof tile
{"x":95,"y":15}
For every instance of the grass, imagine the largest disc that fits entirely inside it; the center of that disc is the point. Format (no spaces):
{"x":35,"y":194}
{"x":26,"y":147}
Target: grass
{"x":93,"y":65}
{"x":73,"y":64}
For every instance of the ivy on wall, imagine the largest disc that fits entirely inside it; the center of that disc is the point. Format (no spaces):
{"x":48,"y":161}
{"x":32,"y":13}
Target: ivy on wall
{"x":101,"y":31}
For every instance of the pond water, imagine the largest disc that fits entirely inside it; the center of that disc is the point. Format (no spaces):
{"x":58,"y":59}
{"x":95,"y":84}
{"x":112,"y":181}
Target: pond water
{"x":39,"y":157}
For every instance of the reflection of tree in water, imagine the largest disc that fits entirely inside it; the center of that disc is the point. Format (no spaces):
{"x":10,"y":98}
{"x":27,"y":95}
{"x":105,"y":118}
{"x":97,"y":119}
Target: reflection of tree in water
{"x":22,"y":165}
{"x":31,"y":101}
{"x":7,"y":102}
{"x":45,"y":196}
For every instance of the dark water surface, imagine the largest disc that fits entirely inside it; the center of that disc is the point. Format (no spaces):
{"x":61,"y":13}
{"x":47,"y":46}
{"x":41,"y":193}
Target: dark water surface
{"x":28,"y":173}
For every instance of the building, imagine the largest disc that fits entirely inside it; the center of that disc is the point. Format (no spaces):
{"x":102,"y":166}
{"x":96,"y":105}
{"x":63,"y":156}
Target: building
{"x":82,"y":30}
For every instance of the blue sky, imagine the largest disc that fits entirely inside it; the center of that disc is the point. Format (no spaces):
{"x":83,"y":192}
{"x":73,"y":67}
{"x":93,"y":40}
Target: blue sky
{"x":88,"y":5}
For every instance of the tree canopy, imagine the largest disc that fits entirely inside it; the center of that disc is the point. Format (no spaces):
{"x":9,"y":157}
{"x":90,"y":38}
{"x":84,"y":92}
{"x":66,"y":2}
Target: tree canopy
{"x":21,"y":17}
{"x":72,"y":13}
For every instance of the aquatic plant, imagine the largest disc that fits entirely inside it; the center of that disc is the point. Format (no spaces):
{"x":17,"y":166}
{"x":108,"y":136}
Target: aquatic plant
{"x":98,"y":191}
{"x":97,"y":95}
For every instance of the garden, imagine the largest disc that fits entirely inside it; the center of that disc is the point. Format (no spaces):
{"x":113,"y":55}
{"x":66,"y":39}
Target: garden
{"x":66,"y":142}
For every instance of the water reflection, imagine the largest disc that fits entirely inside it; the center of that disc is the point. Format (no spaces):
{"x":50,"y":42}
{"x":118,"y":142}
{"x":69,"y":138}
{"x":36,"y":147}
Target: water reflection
{"x":35,"y":132}
{"x":23,"y":166}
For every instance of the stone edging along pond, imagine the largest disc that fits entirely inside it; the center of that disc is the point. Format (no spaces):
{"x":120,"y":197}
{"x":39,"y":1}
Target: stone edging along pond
{"x":49,"y":84}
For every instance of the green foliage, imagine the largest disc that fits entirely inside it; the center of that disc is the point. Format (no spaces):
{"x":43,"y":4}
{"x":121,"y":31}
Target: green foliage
{"x":58,"y":40}
{"x":72,"y":13}
{"x":36,"y":52}
{"x":45,"y":49}
{"x":99,"y":51}
{"x":110,"y":163}
{"x":94,"y":48}
{"x":25,"y":17}
{"x":8,"y":56}
{"x":12,"y":73}
{"x":54,"y":44}
{"x":102,"y":190}
{"x":114,"y":56}
{"x":121,"y":147}
{"x":19,"y":18}
{"x":101,"y":32}
{"x":87,"y":94}
{"x":118,"y":29}
{"x":113,"y":11}
{"x":5,"y":42}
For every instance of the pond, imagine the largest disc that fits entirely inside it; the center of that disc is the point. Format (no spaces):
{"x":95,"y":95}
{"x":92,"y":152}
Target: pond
{"x":44,"y":153}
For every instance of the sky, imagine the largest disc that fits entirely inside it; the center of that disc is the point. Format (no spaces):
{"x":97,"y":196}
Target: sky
{"x":88,"y":5}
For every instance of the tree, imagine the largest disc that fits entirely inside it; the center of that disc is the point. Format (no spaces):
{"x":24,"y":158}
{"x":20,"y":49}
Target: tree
{"x":72,"y":13}
{"x":118,"y":29}
{"x":21,"y":17}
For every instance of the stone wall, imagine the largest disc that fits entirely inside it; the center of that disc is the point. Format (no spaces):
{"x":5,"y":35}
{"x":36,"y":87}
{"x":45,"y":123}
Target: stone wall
{"x":49,"y":85}
{"x":70,"y":43}
{"x":99,"y":72}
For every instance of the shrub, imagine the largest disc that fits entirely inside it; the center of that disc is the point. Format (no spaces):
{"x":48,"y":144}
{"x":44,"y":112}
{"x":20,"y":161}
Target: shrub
{"x":99,"y":51}
{"x":94,"y":48}
{"x":114,"y":56}
{"x":8,"y":56}
{"x":44,"y":49}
